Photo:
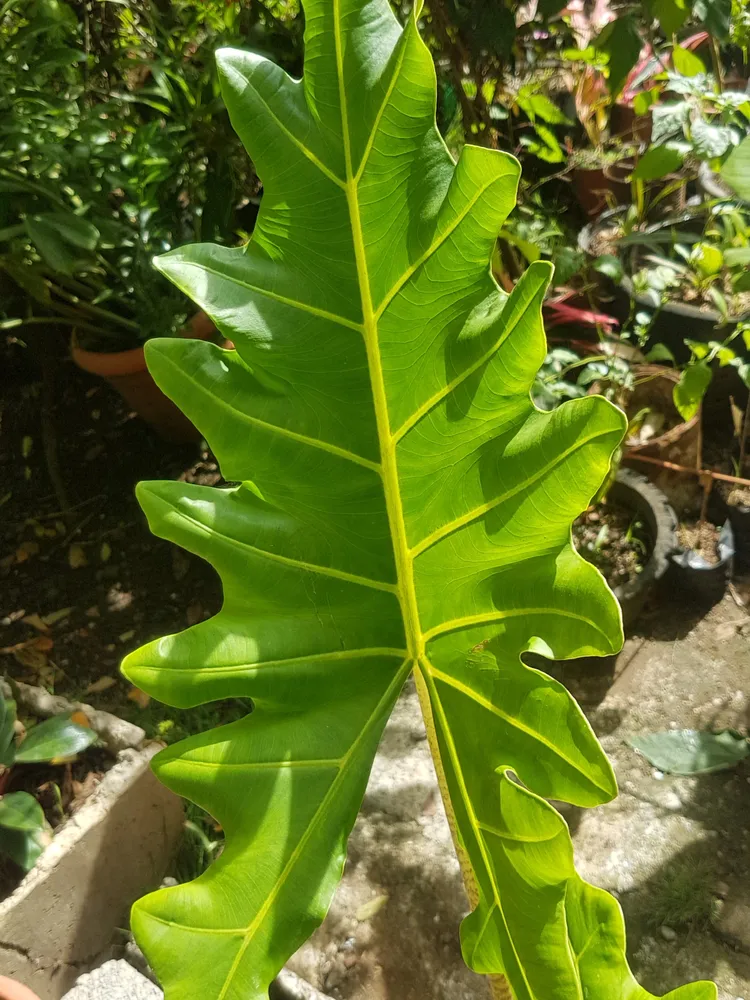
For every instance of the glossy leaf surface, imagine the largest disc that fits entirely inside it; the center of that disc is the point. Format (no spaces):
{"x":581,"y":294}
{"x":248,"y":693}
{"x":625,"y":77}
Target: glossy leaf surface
{"x":54,"y":738}
{"x":22,"y":828}
{"x":402,"y":507}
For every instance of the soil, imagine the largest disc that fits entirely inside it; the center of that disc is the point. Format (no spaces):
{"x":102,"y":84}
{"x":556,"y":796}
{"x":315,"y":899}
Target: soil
{"x":614,"y":540}
{"x":604,"y":241}
{"x":738,"y":302}
{"x":103,"y":583}
{"x":702,"y":537}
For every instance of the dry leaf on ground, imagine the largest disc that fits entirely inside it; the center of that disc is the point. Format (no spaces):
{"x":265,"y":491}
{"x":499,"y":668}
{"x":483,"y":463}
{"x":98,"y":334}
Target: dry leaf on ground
{"x":139,"y":697}
{"x":103,"y":684}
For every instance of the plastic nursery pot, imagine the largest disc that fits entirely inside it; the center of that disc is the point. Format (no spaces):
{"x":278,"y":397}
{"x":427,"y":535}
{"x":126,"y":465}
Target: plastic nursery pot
{"x":593,"y":186}
{"x":628,"y":126}
{"x":705,"y":581}
{"x":638,"y":494}
{"x":11,"y":990}
{"x":738,"y":515}
{"x":127,"y":372}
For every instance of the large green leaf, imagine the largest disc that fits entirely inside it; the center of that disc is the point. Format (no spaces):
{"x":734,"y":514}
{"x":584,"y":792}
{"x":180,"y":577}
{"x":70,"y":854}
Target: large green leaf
{"x":402,"y":507}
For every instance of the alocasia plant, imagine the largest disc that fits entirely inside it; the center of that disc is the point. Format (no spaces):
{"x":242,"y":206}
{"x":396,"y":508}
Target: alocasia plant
{"x":403,"y":509}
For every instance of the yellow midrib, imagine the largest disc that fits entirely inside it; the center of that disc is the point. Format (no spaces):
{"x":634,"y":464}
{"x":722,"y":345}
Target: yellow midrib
{"x":405,"y":588}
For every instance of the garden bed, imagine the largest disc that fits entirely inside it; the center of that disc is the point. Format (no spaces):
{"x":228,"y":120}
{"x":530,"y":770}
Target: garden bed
{"x":51,"y":566}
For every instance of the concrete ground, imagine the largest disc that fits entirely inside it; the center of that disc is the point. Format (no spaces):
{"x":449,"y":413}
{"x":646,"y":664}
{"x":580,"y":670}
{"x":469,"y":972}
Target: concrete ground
{"x":672,"y":847}
{"x":675,"y":851}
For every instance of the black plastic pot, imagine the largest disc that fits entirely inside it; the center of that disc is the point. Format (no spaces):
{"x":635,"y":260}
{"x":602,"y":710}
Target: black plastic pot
{"x":738,"y":516}
{"x":638,"y":494}
{"x":674,"y":321}
{"x":705,"y":581}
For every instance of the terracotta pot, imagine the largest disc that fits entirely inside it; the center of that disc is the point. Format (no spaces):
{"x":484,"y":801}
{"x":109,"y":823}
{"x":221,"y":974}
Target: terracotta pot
{"x":596,"y":189}
{"x":128,"y":373}
{"x":11,"y":990}
{"x":628,"y":126}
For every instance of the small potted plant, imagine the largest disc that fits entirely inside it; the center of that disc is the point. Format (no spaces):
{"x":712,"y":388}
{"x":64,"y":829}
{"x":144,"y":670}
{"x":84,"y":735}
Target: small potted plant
{"x":102,"y":175}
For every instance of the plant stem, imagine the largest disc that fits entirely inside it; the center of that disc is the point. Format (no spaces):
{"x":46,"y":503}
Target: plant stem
{"x":743,"y":434}
{"x":633,"y":455}
{"x":716,"y":61}
{"x":94,"y":310}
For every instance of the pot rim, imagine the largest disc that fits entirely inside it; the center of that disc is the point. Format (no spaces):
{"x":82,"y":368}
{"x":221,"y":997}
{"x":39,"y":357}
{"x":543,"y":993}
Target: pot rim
{"x":132,"y":361}
{"x":105,"y":363}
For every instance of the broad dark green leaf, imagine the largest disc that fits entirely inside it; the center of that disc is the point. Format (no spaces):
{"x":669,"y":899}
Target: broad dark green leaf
{"x":688,"y":751}
{"x":21,"y":811}
{"x":736,"y":169}
{"x":402,"y":507}
{"x":657,"y":161}
{"x":74,"y":230}
{"x":52,"y":248}
{"x":671,"y":14}
{"x":23,"y":829}
{"x":56,"y":737}
{"x":621,"y":42}
{"x":7,"y":732}
{"x":716,"y":15}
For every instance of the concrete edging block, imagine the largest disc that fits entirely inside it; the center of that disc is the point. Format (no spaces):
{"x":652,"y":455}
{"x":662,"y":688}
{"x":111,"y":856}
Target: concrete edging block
{"x":61,"y":918}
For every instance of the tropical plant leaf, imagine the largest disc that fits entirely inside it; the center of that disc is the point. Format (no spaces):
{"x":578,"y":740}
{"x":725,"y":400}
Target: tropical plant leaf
{"x":58,"y":737}
{"x":402,"y":507}
{"x":688,"y":751}
{"x":22,"y":828}
{"x":657,"y":161}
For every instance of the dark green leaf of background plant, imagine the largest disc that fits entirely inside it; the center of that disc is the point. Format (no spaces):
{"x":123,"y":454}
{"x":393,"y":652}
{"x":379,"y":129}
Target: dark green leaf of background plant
{"x":621,"y":41}
{"x":403,"y":508}
{"x":656,"y":162}
{"x":56,"y":737}
{"x":7,"y":731}
{"x":688,"y":751}
{"x":22,"y":828}
{"x":716,"y":16}
{"x":671,"y":14}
